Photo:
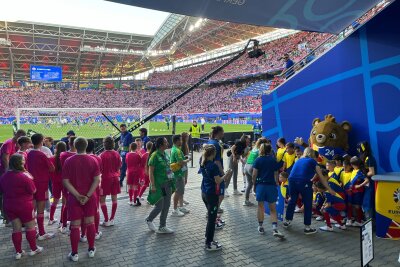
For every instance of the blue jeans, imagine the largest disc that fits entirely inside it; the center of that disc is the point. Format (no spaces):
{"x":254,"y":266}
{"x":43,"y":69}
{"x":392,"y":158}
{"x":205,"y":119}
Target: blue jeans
{"x":305,"y":190}
{"x":123,"y":171}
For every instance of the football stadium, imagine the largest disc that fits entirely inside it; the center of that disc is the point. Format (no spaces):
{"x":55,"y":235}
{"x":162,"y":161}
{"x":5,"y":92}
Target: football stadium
{"x":138,"y":133}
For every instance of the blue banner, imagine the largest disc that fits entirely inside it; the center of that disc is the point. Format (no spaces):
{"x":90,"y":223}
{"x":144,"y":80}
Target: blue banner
{"x":309,"y":15}
{"x":280,"y":205}
{"x":368,"y":62}
{"x":46,"y":73}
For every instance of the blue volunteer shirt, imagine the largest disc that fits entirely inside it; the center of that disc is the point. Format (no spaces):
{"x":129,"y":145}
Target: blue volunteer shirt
{"x":209,"y":171}
{"x":218,"y":150}
{"x":303,"y":170}
{"x":266,"y":166}
{"x":126,"y":140}
{"x":257,"y":128}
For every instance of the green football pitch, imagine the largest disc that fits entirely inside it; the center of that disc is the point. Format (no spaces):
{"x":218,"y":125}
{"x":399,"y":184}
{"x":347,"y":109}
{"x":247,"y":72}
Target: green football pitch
{"x":98,"y":130}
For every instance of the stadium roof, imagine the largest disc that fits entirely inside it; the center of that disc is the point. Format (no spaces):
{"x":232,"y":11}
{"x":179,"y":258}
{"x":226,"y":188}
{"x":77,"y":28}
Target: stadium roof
{"x":320,"y":16}
{"x":107,"y":54}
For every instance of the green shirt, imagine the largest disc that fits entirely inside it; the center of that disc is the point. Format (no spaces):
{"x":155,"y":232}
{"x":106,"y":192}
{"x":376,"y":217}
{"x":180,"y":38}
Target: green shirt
{"x":177,"y":156}
{"x":252,"y":156}
{"x":160,"y":161}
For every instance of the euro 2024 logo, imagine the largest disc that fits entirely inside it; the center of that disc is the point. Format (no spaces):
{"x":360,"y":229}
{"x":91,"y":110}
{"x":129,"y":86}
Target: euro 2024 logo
{"x":396,"y":196}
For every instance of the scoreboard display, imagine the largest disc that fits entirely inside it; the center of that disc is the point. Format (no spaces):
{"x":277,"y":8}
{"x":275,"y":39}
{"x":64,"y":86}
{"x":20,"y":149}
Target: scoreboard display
{"x":46,"y":73}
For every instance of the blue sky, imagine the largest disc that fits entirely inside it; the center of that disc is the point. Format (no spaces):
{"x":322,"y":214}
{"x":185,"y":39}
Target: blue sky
{"x":96,"y":14}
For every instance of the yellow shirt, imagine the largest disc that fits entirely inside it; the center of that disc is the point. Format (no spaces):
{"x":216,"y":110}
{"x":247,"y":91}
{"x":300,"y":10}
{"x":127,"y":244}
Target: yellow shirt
{"x":279,"y":154}
{"x":338,"y":170}
{"x":289,"y":159}
{"x":284,"y":187}
{"x":345,"y":178}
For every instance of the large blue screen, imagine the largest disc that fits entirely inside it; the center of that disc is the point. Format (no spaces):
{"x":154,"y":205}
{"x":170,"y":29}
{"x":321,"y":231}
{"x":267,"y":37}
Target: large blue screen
{"x":46,"y":73}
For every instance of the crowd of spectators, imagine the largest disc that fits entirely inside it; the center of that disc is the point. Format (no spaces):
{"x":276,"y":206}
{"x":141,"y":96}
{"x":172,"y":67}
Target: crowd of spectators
{"x":205,"y":99}
{"x":297,"y":45}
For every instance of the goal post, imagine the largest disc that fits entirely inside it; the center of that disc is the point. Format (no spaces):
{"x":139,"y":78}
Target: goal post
{"x":86,"y":122}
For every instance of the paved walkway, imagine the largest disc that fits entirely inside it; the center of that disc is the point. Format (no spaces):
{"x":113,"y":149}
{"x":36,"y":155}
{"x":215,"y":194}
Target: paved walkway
{"x":129,"y":242}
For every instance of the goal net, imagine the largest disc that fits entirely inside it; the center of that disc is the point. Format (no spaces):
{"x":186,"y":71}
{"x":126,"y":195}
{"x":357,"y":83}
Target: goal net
{"x":85,"y":122}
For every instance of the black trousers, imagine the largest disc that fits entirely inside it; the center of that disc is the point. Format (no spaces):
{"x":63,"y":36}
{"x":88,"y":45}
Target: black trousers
{"x":211,"y":202}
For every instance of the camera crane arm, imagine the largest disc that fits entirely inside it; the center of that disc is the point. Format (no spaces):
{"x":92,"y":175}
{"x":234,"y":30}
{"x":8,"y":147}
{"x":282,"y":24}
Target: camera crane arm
{"x":188,"y":90}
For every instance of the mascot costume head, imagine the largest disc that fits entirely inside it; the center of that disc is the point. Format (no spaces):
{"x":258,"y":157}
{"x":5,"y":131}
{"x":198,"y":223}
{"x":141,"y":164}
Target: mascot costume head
{"x":328,"y":138}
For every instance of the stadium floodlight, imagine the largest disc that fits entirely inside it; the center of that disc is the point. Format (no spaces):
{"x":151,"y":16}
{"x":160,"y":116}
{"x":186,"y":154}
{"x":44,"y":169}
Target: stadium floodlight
{"x":102,"y":49}
{"x":106,"y":50}
{"x":194,"y":86}
{"x":5,"y":42}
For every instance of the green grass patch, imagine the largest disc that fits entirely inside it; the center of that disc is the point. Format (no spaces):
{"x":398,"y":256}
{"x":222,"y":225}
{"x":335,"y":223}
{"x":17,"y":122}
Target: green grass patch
{"x":97,"y":130}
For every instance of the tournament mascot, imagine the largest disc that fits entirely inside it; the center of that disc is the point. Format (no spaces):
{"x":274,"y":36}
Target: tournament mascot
{"x":328,"y":138}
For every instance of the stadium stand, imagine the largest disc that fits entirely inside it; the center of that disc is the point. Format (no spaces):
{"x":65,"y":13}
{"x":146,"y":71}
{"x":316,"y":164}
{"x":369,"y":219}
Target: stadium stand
{"x":206,"y":99}
{"x":255,"y":89}
{"x":297,"y":45}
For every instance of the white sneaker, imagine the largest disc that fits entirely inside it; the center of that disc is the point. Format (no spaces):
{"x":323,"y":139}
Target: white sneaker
{"x":64,"y":230}
{"x":248,"y":203}
{"x":261,"y":230}
{"x":214,"y":246}
{"x":356,"y":224}
{"x":98,"y":235}
{"x":46,"y":236}
{"x":237,"y":193}
{"x":112,"y":222}
{"x":349,"y":222}
{"x":130,"y":203}
{"x":184,"y":210}
{"x":151,"y":225}
{"x":106,"y":224}
{"x":37,"y":251}
{"x":185,"y":202}
{"x":74,"y":258}
{"x":298,"y":210}
{"x":177,"y":213}
{"x":83,"y":239}
{"x":319,"y":218}
{"x":341,"y":227}
{"x":326,"y":228}
{"x":277,"y":234}
{"x":51,"y":222}
{"x":164,"y":230}
{"x":18,"y":255}
{"x":91,"y":253}
{"x":218,"y":225}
